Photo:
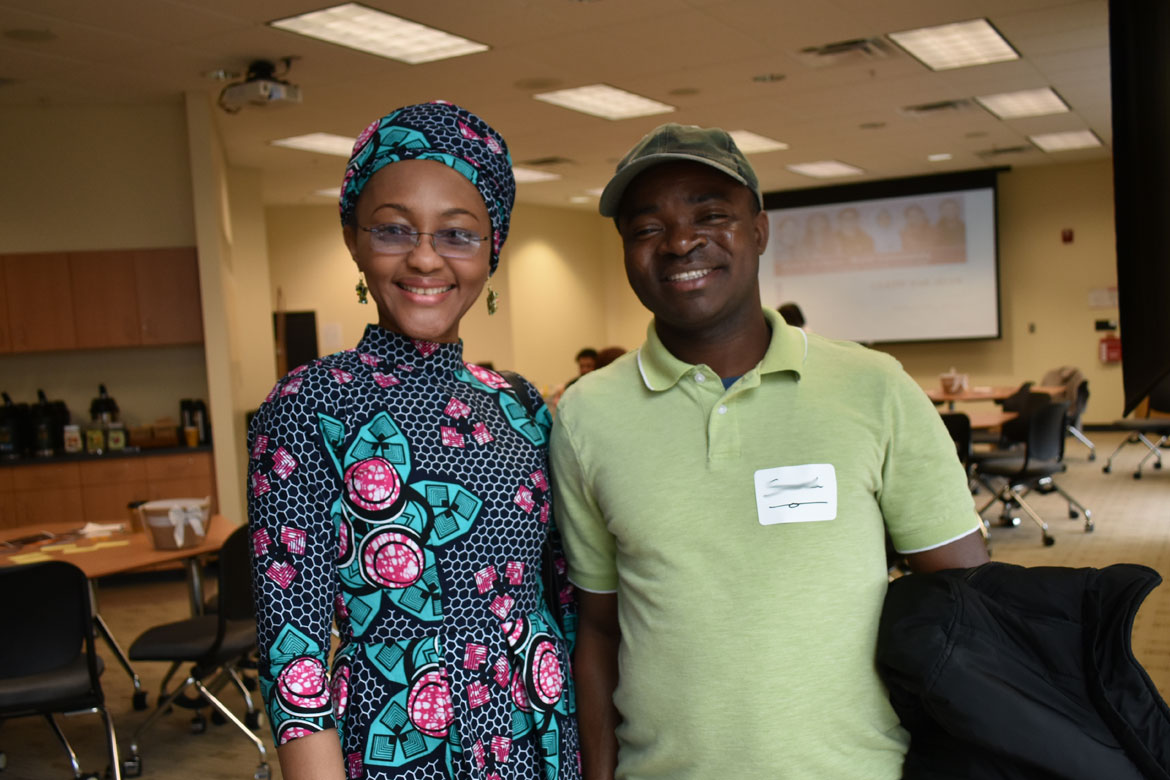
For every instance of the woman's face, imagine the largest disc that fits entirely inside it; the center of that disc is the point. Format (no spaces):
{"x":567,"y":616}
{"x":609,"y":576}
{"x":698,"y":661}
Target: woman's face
{"x":421,"y":294}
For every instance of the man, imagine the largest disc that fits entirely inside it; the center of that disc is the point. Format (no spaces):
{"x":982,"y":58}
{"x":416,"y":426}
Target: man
{"x":586,"y":361}
{"x":722,"y":492}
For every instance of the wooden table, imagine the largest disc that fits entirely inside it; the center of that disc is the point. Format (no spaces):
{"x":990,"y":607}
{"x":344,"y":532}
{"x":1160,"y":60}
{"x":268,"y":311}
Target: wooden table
{"x":984,"y":419}
{"x":986,"y":393}
{"x":116,"y":553}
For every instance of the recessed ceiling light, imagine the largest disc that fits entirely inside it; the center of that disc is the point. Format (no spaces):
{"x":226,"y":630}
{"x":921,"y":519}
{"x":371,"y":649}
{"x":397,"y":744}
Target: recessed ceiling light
{"x":374,"y":32}
{"x":322,"y":143}
{"x":825,"y":169}
{"x":1025,"y":102}
{"x":957,"y":45}
{"x":329,"y":192}
{"x":580,"y":199}
{"x":940,"y":157}
{"x":530,"y":175}
{"x":751,"y":143}
{"x":596,"y":191}
{"x":605,"y":101}
{"x":1062,"y":142}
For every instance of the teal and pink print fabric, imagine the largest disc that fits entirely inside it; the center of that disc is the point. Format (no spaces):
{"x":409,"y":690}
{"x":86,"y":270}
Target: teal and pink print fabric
{"x":404,"y":496}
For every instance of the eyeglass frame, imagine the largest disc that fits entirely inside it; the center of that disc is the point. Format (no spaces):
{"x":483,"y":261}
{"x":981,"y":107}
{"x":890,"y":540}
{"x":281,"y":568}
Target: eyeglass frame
{"x":418,"y":234}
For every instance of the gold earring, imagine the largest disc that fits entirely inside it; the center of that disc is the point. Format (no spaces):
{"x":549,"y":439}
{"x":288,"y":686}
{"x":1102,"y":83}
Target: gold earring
{"x":361,"y":288}
{"x":493,"y":300}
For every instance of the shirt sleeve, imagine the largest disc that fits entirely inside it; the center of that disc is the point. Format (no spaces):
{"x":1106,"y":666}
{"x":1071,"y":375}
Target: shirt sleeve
{"x":294,"y":559}
{"x":590,"y":548}
{"x":925,"y":498}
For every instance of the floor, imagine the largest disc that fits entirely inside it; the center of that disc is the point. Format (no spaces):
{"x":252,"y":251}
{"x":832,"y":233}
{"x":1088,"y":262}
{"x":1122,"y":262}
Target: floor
{"x":1132,"y":525}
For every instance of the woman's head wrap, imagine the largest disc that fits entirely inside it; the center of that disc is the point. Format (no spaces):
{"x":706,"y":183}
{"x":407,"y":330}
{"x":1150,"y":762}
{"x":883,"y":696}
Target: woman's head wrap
{"x":446,"y":133}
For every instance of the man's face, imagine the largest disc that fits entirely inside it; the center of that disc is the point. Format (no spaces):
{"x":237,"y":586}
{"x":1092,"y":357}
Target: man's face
{"x":693,"y":238}
{"x":585,"y":364}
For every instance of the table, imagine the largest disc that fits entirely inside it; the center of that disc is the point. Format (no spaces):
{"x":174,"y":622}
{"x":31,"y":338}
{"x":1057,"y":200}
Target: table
{"x":982,"y":419}
{"x":986,"y":393}
{"x":116,"y":553}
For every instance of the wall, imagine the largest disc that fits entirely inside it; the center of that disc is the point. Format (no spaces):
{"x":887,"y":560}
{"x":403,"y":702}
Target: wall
{"x":550,"y":282}
{"x":99,"y":177}
{"x":1044,"y":283}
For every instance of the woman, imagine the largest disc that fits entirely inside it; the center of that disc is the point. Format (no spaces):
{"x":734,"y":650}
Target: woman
{"x":405,"y":494}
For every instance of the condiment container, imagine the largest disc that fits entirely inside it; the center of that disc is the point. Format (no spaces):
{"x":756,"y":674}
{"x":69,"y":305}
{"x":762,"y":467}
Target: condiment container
{"x":73,"y":443}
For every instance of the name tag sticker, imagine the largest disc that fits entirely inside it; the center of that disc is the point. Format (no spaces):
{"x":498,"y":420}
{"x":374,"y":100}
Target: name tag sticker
{"x":796,"y":494}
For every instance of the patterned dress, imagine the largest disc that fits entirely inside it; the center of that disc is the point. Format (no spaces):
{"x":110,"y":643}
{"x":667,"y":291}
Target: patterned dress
{"x":404,"y":494}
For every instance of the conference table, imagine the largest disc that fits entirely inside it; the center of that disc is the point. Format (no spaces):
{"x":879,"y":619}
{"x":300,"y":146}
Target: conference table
{"x":985,"y":419}
{"x":986,"y":393}
{"x":117,"y":552}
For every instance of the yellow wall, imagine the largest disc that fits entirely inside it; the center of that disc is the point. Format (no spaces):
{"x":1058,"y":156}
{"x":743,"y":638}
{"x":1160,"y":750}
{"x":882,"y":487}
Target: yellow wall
{"x":1045,"y":283}
{"x":99,"y":177}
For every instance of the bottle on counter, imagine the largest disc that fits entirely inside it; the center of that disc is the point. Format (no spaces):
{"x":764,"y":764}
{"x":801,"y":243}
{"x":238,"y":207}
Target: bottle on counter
{"x":115,"y":437}
{"x":73,"y":441}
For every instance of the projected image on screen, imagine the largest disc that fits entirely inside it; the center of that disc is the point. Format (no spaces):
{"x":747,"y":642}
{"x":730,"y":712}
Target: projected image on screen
{"x":919,"y":267}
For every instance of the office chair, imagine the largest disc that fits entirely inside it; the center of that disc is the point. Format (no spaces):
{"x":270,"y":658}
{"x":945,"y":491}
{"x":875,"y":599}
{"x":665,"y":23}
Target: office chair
{"x":1013,"y":403}
{"x":48,"y":663}
{"x":1141,"y":428}
{"x":1034,"y":467}
{"x":213,"y":645}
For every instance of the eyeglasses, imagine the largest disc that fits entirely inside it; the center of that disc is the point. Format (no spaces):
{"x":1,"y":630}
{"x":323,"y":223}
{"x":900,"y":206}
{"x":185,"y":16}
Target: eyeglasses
{"x":400,"y":239}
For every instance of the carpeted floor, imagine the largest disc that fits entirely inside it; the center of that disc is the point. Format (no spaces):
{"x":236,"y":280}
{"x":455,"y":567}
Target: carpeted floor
{"x":1132,"y":525}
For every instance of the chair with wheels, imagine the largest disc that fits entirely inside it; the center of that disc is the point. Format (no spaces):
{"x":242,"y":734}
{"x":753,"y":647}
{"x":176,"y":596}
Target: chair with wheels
{"x":1013,"y":403}
{"x":48,"y":663}
{"x":1141,"y":429}
{"x":215,"y":646}
{"x":1034,"y":468}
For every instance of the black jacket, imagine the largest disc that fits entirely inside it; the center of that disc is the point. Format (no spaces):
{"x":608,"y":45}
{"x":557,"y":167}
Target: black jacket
{"x":1010,"y":672}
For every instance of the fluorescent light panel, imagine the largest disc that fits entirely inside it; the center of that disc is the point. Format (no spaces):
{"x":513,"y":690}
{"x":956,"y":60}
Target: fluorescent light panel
{"x":1063,"y":142}
{"x":957,"y":45}
{"x":751,"y":143}
{"x":322,"y":143}
{"x":825,"y":169}
{"x":529,"y":175}
{"x":940,"y":157}
{"x":374,"y":32}
{"x":1025,"y":102}
{"x":329,"y":192}
{"x":604,"y":101}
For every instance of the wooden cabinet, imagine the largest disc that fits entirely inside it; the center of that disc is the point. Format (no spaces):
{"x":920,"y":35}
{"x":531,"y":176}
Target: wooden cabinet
{"x":91,"y":300}
{"x":40,"y":302}
{"x":5,"y":329}
{"x":99,"y":490}
{"x":168,"y":296}
{"x":105,"y":299}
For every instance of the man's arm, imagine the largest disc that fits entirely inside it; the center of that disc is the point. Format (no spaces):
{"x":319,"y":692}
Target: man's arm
{"x":596,"y":675}
{"x":963,"y":553}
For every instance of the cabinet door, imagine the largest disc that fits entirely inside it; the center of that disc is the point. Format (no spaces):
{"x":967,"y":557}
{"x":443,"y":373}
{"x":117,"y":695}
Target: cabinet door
{"x":107,"y":486}
{"x":7,"y":508}
{"x":40,"y":302}
{"x":105,"y":299}
{"x":5,"y":330}
{"x":47,"y":493}
{"x":169,"y":306}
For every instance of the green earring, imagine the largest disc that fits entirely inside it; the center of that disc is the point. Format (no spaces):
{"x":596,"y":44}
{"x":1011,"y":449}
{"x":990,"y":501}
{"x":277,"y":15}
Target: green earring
{"x":493,"y":300}
{"x":361,"y":289}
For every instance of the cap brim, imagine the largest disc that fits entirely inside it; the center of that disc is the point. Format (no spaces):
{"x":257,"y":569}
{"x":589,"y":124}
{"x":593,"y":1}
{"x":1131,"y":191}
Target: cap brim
{"x":611,"y":196}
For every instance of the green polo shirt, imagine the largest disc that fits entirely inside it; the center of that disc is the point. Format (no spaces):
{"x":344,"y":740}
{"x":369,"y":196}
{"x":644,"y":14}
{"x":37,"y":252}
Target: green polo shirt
{"x":748,"y":601}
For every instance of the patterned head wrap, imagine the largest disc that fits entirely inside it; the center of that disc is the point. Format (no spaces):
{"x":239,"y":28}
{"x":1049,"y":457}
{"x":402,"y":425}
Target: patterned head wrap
{"x":446,"y":133}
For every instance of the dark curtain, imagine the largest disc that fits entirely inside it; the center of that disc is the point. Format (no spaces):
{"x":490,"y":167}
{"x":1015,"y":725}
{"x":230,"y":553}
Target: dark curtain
{"x":1139,"y":46}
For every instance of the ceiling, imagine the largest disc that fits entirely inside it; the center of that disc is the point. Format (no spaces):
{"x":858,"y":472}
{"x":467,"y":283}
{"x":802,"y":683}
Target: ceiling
{"x":698,"y":55}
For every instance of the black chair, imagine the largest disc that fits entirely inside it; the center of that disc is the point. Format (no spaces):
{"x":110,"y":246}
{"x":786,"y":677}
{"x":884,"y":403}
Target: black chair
{"x":1013,"y":403}
{"x":958,"y":425}
{"x":215,"y":646}
{"x":1076,"y":392}
{"x":1034,"y":467}
{"x":48,"y":664}
{"x":1142,"y":428}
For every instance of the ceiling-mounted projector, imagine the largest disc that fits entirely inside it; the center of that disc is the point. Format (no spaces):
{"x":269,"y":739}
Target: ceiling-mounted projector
{"x":260,"y":87}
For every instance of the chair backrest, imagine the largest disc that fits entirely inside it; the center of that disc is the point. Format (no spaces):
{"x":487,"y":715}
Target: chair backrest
{"x":1016,"y":431}
{"x":45,"y":615}
{"x":1077,"y":408}
{"x":958,"y":425}
{"x":1017,"y":400}
{"x":235,"y":577}
{"x":1046,"y":430}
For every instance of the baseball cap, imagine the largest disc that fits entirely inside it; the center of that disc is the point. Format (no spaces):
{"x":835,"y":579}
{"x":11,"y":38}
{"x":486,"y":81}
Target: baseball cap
{"x":707,"y":145}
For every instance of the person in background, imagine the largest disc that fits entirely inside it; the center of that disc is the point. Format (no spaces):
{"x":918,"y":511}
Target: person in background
{"x":586,"y":362}
{"x":791,"y":314}
{"x":404,"y":494}
{"x":724,"y":492}
{"x":608,"y":355}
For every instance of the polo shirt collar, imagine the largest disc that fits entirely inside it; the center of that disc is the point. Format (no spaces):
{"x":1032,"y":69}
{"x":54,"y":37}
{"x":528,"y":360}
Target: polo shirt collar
{"x":661,"y":370}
